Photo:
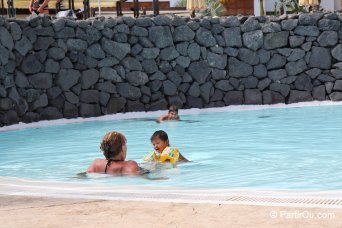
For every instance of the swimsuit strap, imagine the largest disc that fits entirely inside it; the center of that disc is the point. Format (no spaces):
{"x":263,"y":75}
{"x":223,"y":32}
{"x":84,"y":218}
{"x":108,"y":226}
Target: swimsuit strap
{"x":109,"y":161}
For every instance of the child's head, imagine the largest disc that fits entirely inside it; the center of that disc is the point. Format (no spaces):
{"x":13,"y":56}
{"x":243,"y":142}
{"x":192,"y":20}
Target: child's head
{"x":173,"y":112}
{"x":160,"y":140}
{"x":114,"y":144}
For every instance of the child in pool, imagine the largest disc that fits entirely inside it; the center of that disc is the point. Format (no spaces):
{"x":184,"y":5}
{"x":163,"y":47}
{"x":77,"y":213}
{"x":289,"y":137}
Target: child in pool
{"x":163,"y":152}
{"x":171,"y":115}
{"x":114,"y":149}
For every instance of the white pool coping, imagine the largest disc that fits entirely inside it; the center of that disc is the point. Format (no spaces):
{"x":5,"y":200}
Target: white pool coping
{"x":133,"y":115}
{"x":242,"y":196}
{"x":246,"y":196}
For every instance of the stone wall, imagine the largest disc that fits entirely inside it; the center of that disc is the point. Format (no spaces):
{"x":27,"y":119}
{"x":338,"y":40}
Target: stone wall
{"x":52,"y":69}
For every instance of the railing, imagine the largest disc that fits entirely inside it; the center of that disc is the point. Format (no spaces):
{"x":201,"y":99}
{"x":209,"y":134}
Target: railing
{"x":2,"y":8}
{"x":10,"y":8}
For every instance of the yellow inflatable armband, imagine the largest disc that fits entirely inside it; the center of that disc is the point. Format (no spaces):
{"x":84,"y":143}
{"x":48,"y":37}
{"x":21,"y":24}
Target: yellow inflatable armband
{"x":169,"y":154}
{"x":153,"y":156}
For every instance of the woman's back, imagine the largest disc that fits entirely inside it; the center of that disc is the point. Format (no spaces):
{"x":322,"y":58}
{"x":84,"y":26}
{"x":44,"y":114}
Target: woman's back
{"x":113,"y":167}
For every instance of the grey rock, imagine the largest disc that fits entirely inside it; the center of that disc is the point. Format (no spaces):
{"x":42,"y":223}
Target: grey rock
{"x":66,"y":32}
{"x":66,"y":63}
{"x":337,"y":73}
{"x":320,"y":58}
{"x":251,"y":24}
{"x":56,"y":53}
{"x":32,"y":95}
{"x":139,"y":31}
{"x":52,"y":66}
{"x":44,"y":31}
{"x":108,"y":33}
{"x":145,"y":42}
{"x":67,"y":78}
{"x":137,"y":78}
{"x":307,"y":46}
{"x":128,"y":91}
{"x":285,"y":51}
{"x":30,"y":117}
{"x":4,"y":55}
{"x":90,"y":96}
{"x":260,"y":71}
{"x":328,"y":25}
{"x":77,"y":45}
{"x":175,"y":100}
{"x":296,"y":54}
{"x":337,"y":52}
{"x":43,"y":43}
{"x":194,"y":52}
{"x":263,"y":84}
{"x":232,"y":37}
{"x":23,"y":46}
{"x":281,"y":88}
{"x":306,"y":31}
{"x":318,"y":93}
{"x":338,"y":85}
{"x":118,"y":50}
{"x":149,"y":66}
{"x":194,"y":102}
{"x":169,"y":88}
{"x":143,"y":21}
{"x":115,"y":105}
{"x":313,"y":73}
{"x":299,"y":96}
{"x":205,"y":38}
{"x":98,"y":24}
{"x":199,"y":71}
{"x":135,"y":106}
{"x":277,"y":61}
{"x":231,"y":21}
{"x":296,"y":41}
{"x":271,"y":27}
{"x":325,"y":78}
{"x":10,"y":117}
{"x":253,"y":40}
{"x":9,"y":81}
{"x":264,"y":56}
{"x":194,"y":90}
{"x":174,"y":77}
{"x":239,"y":69}
{"x":234,"y":98}
{"x":233,"y":52}
{"x":217,"y":29}
{"x":206,"y":89}
{"x":307,"y":19}
{"x":248,"y":56}
{"x":89,"y":110}
{"x":53,"y":92}
{"x":6,"y":104}
{"x":277,"y":75}
{"x":183,"y":61}
{"x":110,"y":74}
{"x":70,"y":111}
{"x":217,"y":61}
{"x":168,"y":54}
{"x":294,"y":68}
{"x":161,"y":36}
{"x":95,"y":51}
{"x":41,"y":102}
{"x":193,"y":25}
{"x":217,"y":96}
{"x":183,"y":33}
{"x":104,"y":98}
{"x":89,"y":78}
{"x":336,"y":96}
{"x":131,"y":64}
{"x":249,"y":82}
{"x":41,"y":80}
{"x":217,"y":74}
{"x":159,"y":105}
{"x":71,"y":97}
{"x":30,"y":65}
{"x":328,"y":38}
{"x":224,"y":85}
{"x":6,"y":39}
{"x":182,"y":48}
{"x":303,"y":82}
{"x":271,"y":97}
{"x":122,"y":28}
{"x":15,"y":31}
{"x":155,"y":85}
{"x":58,"y":24}
{"x":289,"y":24}
{"x":276,"y":40}
{"x":253,"y":96}
{"x":150,"y":53}
{"x":21,"y":80}
{"x":136,"y":49}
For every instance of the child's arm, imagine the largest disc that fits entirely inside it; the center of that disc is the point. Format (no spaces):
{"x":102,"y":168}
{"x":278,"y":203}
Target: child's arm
{"x":162,"y":118}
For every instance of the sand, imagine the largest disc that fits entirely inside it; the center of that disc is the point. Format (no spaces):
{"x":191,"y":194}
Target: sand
{"x":25,"y":211}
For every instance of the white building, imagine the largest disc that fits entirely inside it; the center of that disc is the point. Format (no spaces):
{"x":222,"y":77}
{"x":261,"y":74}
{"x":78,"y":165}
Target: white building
{"x":331,"y":5}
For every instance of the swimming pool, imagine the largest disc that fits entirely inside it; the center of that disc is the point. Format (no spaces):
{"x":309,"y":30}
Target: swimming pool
{"x":287,"y":148}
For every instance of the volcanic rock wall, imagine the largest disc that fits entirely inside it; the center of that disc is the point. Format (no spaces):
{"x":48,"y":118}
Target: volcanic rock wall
{"x":62,"y":68}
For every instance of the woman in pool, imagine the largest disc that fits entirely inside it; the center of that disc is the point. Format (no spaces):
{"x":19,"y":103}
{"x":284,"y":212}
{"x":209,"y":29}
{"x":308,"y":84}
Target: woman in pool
{"x":114,"y":149}
{"x":163,"y":152}
{"x":171,"y":115}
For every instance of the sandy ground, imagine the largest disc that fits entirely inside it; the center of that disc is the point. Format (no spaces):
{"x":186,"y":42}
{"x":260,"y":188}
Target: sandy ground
{"x":22,"y":211}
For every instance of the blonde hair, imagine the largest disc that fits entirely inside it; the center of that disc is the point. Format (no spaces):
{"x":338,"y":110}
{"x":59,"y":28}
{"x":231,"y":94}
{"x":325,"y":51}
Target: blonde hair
{"x":112,"y":144}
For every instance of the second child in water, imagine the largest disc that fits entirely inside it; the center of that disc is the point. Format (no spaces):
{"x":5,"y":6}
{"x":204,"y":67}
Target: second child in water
{"x":163,"y":152}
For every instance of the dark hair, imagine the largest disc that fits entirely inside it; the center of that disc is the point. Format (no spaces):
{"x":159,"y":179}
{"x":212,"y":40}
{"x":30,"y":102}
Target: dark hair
{"x":173,"y":108}
{"x":161,"y":135}
{"x":112,"y":144}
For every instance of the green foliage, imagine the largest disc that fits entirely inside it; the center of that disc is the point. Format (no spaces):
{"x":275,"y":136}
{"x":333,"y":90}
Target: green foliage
{"x":181,"y":3}
{"x":214,"y":8}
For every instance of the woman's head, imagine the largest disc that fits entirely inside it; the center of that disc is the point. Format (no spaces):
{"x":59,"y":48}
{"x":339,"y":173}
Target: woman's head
{"x":160,"y":140}
{"x":113,"y":145}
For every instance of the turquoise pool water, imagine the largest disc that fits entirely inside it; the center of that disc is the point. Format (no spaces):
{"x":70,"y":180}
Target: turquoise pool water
{"x":291,"y":148}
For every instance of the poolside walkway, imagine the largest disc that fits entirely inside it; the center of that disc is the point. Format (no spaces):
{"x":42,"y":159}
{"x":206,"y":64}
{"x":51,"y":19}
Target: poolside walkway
{"x":23,"y":211}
